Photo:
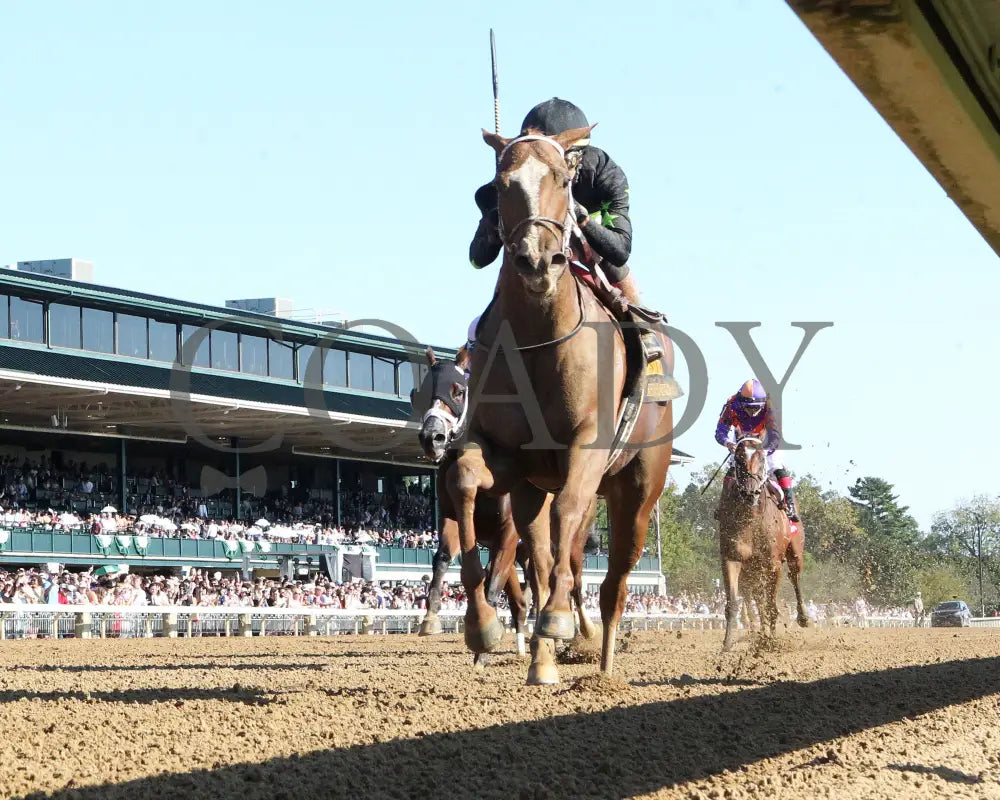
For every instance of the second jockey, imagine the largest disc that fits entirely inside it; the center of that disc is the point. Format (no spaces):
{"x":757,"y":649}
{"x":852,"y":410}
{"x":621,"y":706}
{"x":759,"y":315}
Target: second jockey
{"x":749,"y":413}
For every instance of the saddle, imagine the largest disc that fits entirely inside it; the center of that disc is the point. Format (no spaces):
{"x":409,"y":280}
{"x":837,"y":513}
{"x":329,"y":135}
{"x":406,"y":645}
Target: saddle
{"x":660,"y":384}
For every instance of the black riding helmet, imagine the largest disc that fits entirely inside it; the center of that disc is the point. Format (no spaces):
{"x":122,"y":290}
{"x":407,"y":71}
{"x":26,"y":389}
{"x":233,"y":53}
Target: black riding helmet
{"x":555,"y":116}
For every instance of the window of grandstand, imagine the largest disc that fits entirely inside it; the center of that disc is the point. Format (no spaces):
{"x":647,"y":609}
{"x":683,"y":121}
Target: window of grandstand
{"x":132,"y":339}
{"x":405,"y":370}
{"x":310,"y":365}
{"x":359,"y":371}
{"x":65,"y":328}
{"x":162,"y":341}
{"x":26,"y":323}
{"x":384,"y":374}
{"x":335,"y":368}
{"x":201,"y":357}
{"x":280,"y":359}
{"x":98,"y":331}
{"x":225,"y":348}
{"x":253,"y":354}
{"x":4,"y":316}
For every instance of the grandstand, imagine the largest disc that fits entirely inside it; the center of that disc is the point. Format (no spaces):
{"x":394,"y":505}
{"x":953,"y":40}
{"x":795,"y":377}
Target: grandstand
{"x":237,"y":409}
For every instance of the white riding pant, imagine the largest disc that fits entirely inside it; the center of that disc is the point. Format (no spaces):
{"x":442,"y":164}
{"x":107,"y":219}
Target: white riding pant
{"x":775,"y":461}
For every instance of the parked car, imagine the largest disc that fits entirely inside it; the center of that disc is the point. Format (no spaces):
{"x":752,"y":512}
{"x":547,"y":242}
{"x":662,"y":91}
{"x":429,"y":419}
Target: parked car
{"x":953,"y":613}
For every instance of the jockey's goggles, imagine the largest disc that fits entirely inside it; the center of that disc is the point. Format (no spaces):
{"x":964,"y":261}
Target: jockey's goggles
{"x":753,"y":408}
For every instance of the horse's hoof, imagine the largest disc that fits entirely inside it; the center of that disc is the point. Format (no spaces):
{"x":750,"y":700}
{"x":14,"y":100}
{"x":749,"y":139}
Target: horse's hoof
{"x":486,"y":638}
{"x":804,"y":622}
{"x":596,"y":632}
{"x":430,"y":627}
{"x":556,"y":625}
{"x":542,"y":675}
{"x":479,"y":662}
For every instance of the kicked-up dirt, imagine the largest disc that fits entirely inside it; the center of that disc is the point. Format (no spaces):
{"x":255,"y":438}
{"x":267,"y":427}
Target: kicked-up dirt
{"x":818,"y":713}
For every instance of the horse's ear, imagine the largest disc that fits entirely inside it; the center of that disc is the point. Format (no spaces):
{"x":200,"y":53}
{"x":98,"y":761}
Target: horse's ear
{"x":431,"y":358}
{"x":575,"y":137}
{"x":462,"y":357}
{"x":495,"y":140}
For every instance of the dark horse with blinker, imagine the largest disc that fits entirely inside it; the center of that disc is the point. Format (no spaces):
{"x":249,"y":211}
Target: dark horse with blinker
{"x":441,"y":399}
{"x":755,"y":537}
{"x":556,"y":354}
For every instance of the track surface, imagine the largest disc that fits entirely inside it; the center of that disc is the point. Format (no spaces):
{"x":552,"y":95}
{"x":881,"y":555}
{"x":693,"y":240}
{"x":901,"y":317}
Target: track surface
{"x":841,"y":713}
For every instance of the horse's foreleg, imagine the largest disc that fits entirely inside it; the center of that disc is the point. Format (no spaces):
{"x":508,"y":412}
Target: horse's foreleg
{"x":531,"y":507}
{"x":583,"y":474}
{"x":629,"y":527}
{"x":796,"y":561}
{"x":770,"y":593}
{"x":447,"y":550}
{"x":587,"y":628}
{"x":483,"y":631}
{"x":731,"y":581}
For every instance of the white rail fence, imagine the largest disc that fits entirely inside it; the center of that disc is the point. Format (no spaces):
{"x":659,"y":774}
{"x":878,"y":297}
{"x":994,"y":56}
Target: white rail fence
{"x":84,"y":622}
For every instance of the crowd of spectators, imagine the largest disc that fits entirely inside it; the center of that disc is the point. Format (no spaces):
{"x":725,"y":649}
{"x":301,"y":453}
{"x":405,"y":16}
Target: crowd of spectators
{"x":37,"y":494}
{"x":214,"y":589}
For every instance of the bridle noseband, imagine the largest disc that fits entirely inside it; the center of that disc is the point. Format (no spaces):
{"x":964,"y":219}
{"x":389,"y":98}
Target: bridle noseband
{"x":444,"y":409}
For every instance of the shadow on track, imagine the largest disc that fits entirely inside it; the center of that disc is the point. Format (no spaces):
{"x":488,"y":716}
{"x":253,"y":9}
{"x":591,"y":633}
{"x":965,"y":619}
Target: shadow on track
{"x":247,"y":696}
{"x":617,"y":753}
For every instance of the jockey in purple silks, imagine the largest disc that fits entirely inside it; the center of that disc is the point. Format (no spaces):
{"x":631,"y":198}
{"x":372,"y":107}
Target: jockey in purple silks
{"x":749,"y":413}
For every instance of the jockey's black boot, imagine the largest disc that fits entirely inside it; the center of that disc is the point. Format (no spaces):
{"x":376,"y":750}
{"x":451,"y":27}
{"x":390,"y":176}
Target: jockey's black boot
{"x":651,"y":345}
{"x":790,"y":507}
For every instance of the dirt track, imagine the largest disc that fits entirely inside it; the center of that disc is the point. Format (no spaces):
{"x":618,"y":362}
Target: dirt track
{"x":824,"y":714}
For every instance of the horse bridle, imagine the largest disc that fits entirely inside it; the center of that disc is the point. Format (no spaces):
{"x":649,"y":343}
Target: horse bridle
{"x":440,"y":409}
{"x":741,"y":467}
{"x":454,"y":426}
{"x":564,"y":229}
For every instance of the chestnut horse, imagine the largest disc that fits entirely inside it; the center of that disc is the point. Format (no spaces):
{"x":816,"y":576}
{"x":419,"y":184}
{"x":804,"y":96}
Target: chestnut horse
{"x":443,"y":394}
{"x":548,"y":378}
{"x":755,"y":537}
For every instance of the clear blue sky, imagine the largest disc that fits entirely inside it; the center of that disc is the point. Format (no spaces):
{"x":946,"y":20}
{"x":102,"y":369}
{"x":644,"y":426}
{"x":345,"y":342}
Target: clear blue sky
{"x":328,"y":152}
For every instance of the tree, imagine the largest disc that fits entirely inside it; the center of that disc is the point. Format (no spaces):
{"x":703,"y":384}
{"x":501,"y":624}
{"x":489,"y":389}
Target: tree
{"x":969,"y":534}
{"x":830,"y":522}
{"x":890,"y":558}
{"x":698,"y":507}
{"x":690,"y":559}
{"x":879,"y":513}
{"x":940,"y":582}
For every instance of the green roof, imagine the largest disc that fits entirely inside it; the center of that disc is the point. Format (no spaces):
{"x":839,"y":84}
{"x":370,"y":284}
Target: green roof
{"x":26,"y":284}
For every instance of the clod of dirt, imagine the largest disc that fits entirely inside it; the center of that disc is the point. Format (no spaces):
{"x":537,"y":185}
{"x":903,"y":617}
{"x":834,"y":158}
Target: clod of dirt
{"x":600,"y":684}
{"x":581,"y":651}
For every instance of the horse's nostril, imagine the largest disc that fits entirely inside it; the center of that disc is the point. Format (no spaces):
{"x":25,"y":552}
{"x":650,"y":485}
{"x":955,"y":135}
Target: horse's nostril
{"x":523,"y":264}
{"x":438,"y":438}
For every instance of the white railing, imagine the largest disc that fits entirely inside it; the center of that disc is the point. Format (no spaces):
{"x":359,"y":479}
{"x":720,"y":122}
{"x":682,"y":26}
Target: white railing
{"x":56,"y":621}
